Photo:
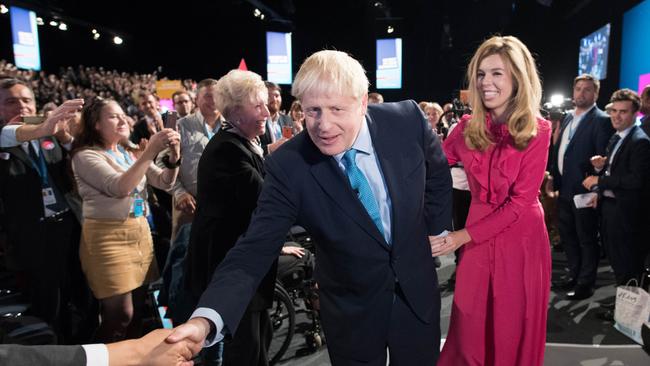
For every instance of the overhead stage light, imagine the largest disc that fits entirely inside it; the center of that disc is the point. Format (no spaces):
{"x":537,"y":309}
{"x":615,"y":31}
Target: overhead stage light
{"x":557,"y":100}
{"x":117,"y":40}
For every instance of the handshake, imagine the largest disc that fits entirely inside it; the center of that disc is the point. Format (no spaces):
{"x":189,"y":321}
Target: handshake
{"x":176,"y":346}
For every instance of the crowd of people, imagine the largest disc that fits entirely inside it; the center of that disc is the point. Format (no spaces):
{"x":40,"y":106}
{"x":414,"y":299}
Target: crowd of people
{"x":106,"y":193}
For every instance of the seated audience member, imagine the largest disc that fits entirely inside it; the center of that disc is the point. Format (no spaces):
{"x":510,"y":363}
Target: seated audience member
{"x":116,"y":247}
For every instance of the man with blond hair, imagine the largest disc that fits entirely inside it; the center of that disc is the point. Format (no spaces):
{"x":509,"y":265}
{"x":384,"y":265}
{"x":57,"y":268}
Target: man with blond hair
{"x":370,"y":197}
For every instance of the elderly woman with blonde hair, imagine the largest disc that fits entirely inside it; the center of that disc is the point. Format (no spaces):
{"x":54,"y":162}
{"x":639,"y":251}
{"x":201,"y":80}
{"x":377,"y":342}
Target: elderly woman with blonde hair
{"x":229,"y":181}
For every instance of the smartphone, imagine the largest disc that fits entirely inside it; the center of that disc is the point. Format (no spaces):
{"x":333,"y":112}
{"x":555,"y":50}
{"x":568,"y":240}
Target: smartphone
{"x":33,"y":120}
{"x":287,"y":132}
{"x":170,"y":121}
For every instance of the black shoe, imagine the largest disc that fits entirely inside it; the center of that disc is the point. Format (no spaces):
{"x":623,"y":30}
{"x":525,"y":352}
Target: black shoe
{"x":580,"y":292}
{"x":607,"y":315}
{"x":564,"y":285}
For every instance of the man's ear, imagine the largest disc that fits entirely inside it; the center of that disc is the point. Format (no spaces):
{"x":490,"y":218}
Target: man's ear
{"x":364,"y":103}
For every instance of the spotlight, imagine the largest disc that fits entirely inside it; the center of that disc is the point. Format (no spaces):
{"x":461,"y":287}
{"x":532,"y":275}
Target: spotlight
{"x":117,"y":40}
{"x":262,"y":16}
{"x":3,"y":9}
{"x":39,"y":21}
{"x":94,"y":31}
{"x":557,"y":100}
{"x":390,"y":29}
{"x":96,"y":36}
{"x":54,"y":23}
{"x":257,"y":13}
{"x":63,"y":26}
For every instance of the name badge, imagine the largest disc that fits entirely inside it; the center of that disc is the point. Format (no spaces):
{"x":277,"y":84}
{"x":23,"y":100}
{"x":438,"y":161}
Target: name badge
{"x":48,"y":196}
{"x":138,"y":207}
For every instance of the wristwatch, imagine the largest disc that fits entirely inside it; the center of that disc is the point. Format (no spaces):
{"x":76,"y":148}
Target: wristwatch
{"x":168,"y":165}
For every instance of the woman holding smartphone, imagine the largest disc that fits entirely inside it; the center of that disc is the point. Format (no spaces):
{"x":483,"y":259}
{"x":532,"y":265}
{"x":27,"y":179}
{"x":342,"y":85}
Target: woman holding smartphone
{"x":116,"y":248}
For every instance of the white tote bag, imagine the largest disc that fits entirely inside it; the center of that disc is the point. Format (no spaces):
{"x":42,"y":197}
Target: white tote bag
{"x":632,"y":310}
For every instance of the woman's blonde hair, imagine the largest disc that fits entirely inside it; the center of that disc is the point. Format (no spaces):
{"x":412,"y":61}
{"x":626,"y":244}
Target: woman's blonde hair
{"x":235,"y":89}
{"x":523,"y":106}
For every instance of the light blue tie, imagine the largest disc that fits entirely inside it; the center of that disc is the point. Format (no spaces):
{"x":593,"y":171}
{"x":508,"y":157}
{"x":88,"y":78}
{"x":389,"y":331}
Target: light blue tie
{"x":361,"y":186}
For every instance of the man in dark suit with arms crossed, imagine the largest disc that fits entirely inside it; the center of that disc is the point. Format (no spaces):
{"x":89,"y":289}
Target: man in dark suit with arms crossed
{"x":370,"y":184}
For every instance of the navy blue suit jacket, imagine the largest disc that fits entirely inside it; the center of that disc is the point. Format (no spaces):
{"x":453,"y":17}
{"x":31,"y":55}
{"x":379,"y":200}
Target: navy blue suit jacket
{"x":356,"y":269}
{"x":589,"y":139}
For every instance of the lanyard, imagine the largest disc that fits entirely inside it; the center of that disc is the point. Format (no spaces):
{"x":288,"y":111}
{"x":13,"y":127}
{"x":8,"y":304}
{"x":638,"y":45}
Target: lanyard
{"x":40,"y":165}
{"x":125,"y":162}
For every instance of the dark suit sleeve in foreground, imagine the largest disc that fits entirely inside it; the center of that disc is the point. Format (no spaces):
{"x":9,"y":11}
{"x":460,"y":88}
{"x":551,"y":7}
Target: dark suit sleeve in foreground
{"x":13,"y":354}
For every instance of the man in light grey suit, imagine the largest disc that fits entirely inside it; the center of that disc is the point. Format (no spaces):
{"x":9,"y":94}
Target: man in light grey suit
{"x":196,"y":130}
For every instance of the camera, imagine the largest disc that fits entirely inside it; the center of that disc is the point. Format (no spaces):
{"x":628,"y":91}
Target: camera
{"x":557,"y":111}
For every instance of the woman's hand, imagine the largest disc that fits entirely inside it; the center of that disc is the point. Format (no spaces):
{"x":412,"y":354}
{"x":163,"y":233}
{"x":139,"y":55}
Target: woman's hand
{"x":297,"y":252}
{"x":442,"y":245}
{"x":163,"y":139}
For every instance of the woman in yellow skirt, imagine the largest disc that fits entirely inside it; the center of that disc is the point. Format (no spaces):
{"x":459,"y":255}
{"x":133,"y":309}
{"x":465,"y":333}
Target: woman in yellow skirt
{"x":116,"y":248}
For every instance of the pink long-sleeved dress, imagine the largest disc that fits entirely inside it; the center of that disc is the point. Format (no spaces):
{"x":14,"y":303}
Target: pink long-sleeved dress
{"x":503,"y":277}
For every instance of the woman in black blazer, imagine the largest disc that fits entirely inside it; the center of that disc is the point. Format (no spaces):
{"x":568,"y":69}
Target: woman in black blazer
{"x":229,"y":181}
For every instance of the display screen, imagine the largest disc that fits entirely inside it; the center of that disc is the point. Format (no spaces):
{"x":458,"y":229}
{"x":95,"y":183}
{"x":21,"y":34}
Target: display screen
{"x":278,"y":58}
{"x":24,"y":31}
{"x":635,"y":48}
{"x":389,"y":63}
{"x":593,"y":53}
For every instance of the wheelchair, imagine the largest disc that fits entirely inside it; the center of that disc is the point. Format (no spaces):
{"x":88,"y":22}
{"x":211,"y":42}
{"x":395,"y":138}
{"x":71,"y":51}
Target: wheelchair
{"x":296,"y":293}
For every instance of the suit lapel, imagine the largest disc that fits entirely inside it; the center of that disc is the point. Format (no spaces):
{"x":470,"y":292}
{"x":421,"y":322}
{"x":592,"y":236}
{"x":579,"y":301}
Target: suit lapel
{"x":622,"y":149}
{"x":336,"y":185}
{"x":20,"y":154}
{"x":584,"y":125}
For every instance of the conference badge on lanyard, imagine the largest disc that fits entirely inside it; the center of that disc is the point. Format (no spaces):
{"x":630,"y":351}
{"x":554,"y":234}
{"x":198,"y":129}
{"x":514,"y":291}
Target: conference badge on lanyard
{"x":138,"y":205}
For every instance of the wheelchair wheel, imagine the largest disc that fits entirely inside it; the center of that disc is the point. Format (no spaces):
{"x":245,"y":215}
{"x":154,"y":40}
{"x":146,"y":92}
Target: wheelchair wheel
{"x":283,"y":323}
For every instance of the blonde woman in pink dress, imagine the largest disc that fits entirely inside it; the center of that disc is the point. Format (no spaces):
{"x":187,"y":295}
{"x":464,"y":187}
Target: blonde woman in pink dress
{"x":503,"y":277}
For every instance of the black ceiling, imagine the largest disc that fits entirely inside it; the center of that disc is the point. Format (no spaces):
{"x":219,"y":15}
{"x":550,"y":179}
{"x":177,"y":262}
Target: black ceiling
{"x":198,"y":39}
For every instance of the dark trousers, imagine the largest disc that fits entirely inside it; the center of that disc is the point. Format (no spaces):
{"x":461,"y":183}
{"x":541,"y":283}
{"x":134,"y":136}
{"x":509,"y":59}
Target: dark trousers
{"x":249,"y":344}
{"x":624,"y":249}
{"x":459,"y":211}
{"x":460,"y":207}
{"x":55,"y":284}
{"x":579,"y":235}
{"x":410,"y":341}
